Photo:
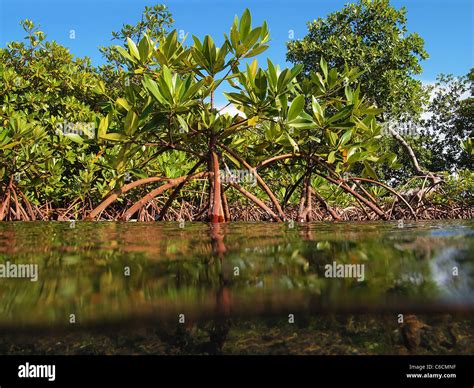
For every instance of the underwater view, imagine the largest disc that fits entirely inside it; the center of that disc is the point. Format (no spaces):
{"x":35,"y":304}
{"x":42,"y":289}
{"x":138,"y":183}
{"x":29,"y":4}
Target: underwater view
{"x":242,"y":287}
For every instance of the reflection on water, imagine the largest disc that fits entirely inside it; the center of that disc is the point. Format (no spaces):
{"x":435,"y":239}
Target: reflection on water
{"x":239,"y":270}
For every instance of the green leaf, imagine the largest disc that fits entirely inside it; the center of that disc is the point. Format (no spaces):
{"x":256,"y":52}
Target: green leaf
{"x":303,"y":121}
{"x":238,"y":98}
{"x":317,"y":110}
{"x":370,"y":111}
{"x":345,"y":138}
{"x":272,"y":73}
{"x":348,"y":93}
{"x":324,"y":67}
{"x":183,"y":124}
{"x":152,"y":87}
{"x":352,"y":151}
{"x":332,"y":77}
{"x":296,"y":107}
{"x":100,"y":87}
{"x":133,"y":48}
{"x":74,"y":137}
{"x":258,"y":50}
{"x":369,"y":171}
{"x":123,"y":103}
{"x":232,"y":159}
{"x":167,"y":77}
{"x":234,"y":37}
{"x":252,"y":37}
{"x":357,"y":157}
{"x":292,"y":142}
{"x":332,"y":157}
{"x":131,"y":122}
{"x":144,"y":48}
{"x":192,"y":90}
{"x":332,"y":138}
{"x":10,"y":145}
{"x":124,"y":53}
{"x":244,"y":26}
{"x":113,"y":136}
{"x":343,"y":114}
{"x":104,"y":125}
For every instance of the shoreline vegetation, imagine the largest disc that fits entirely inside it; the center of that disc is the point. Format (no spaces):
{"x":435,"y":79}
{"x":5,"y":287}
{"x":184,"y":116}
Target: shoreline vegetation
{"x":440,"y":200}
{"x":338,"y":137}
{"x":189,"y":212}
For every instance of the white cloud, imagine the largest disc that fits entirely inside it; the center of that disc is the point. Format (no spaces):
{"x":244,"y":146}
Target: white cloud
{"x":231,"y":110}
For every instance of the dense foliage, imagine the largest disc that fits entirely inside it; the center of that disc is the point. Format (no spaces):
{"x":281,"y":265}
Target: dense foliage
{"x":374,"y":36}
{"x":75,"y":139}
{"x":448,"y":132}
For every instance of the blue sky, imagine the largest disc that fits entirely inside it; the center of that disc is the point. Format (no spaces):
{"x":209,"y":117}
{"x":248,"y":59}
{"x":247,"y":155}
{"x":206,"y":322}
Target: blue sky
{"x":445,"y":25}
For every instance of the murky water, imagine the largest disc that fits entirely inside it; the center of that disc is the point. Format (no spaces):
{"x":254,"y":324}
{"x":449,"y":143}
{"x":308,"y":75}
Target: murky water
{"x":108,"y":273}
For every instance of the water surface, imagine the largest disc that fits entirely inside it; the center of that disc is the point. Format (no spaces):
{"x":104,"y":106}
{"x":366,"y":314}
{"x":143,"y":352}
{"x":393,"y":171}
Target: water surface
{"x":111,"y":272}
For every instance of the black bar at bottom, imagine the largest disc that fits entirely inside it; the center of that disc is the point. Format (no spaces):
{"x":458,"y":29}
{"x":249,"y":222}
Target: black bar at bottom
{"x":323,"y":371}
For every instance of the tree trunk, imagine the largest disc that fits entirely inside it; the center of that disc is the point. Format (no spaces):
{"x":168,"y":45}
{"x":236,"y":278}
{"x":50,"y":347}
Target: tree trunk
{"x":115,"y":194}
{"x":152,"y":194}
{"x":260,"y":181}
{"x":216,"y":209}
{"x":175,"y":193}
{"x":323,"y":202}
{"x":226,"y":206}
{"x":304,"y":214}
{"x":413,"y":158}
{"x":255,"y":200}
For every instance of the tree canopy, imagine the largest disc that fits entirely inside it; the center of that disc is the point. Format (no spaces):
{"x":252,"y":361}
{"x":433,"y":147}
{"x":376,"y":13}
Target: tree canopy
{"x":372,"y":35}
